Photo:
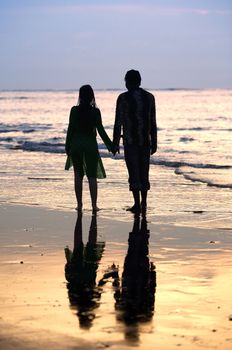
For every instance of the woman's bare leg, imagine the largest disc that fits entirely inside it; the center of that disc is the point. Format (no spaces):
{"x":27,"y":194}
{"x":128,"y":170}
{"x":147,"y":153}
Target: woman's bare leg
{"x":144,"y":200}
{"x":78,"y":184}
{"x":93,"y":192}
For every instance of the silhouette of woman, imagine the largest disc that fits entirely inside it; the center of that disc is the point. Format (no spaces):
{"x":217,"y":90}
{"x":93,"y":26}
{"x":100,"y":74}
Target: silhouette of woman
{"x":81,"y":144}
{"x":81,"y":272}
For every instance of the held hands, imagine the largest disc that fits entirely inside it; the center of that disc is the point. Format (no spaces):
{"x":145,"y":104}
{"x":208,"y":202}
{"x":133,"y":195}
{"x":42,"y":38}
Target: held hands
{"x":115,"y":149}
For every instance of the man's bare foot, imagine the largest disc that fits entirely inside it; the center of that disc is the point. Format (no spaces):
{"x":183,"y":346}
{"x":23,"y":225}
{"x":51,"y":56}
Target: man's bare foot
{"x":95,"y":210}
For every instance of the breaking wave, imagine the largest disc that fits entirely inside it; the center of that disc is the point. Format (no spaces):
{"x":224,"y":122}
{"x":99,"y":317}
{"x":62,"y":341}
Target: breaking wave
{"x":196,"y":178}
{"x":46,"y":147}
{"x":178,"y":164}
{"x":24,"y":127}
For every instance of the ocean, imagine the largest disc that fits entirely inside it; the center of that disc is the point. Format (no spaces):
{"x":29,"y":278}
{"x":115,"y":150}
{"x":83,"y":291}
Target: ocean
{"x":190,"y":175}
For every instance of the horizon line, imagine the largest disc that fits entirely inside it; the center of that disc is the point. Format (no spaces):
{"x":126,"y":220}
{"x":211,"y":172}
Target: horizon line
{"x":115,"y":89}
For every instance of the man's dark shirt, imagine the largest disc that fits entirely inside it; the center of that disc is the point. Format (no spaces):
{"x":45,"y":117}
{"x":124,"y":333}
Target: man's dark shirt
{"x":136,"y":115}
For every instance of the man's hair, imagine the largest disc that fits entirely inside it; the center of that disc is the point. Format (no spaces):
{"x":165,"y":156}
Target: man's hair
{"x":133,"y":77}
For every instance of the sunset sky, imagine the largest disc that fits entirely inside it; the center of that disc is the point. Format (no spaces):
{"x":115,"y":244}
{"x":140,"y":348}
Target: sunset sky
{"x":64,"y":44}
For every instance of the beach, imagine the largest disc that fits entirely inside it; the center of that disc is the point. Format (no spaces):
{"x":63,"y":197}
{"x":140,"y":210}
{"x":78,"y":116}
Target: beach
{"x":139,"y":95}
{"x":116,"y":281}
{"x":191,"y":171}
{"x":189,"y":305}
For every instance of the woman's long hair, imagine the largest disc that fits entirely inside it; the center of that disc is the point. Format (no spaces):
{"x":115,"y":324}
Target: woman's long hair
{"x":86,"y":105}
{"x":86,"y":96}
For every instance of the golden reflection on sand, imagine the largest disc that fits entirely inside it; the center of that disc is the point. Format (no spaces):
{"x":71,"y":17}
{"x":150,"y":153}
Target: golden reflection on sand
{"x":189,"y":308}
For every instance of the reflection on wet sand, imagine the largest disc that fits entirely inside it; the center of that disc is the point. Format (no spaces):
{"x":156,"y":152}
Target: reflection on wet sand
{"x":81,"y":271}
{"x":135,"y":293}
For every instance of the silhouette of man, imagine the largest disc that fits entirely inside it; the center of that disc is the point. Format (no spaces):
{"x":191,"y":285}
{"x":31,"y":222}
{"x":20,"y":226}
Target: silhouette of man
{"x":136,"y":116}
{"x":135,"y":291}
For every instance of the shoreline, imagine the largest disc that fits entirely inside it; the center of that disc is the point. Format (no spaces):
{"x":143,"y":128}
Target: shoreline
{"x":186,"y":218}
{"x":191,"y":309}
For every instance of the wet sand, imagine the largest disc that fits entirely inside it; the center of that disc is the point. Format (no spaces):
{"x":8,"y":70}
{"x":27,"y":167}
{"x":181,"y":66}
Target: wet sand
{"x":185,"y":302}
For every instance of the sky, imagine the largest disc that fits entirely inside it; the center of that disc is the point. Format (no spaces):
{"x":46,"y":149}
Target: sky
{"x":54,"y":44}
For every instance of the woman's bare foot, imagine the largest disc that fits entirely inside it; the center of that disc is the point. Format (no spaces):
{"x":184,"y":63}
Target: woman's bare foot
{"x":135,"y":209}
{"x":79,"y":208}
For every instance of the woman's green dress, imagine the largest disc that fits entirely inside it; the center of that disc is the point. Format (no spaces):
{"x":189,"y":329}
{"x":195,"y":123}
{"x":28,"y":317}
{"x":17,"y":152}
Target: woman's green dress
{"x":81,"y":143}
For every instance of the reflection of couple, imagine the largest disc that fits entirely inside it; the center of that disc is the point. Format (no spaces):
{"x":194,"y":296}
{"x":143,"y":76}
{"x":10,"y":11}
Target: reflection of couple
{"x":136,"y":116}
{"x":134,"y":292}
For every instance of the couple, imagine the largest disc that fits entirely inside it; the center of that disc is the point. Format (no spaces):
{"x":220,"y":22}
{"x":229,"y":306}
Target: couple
{"x":136,"y":116}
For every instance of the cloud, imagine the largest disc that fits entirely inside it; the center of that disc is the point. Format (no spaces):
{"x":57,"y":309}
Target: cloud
{"x":138,"y":9}
{"x":112,"y":8}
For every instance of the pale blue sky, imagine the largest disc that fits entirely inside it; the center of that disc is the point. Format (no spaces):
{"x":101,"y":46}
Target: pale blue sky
{"x":64,"y":44}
